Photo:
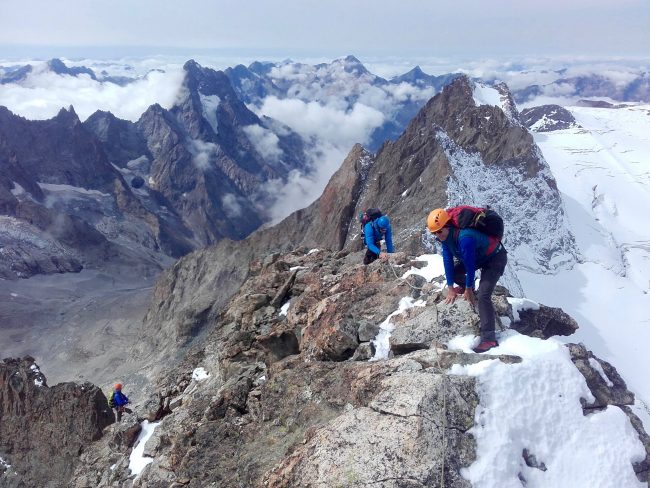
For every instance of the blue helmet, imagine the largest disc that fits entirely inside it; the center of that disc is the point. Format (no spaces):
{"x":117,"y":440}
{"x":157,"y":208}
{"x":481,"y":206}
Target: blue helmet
{"x":382,"y":222}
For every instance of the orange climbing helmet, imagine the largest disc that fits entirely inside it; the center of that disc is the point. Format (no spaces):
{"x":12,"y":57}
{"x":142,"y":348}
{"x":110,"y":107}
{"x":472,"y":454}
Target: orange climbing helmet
{"x":437,"y":219}
{"x":117,"y":386}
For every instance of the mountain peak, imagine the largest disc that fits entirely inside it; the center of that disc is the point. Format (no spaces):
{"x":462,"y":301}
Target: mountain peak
{"x":352,"y":59}
{"x":352,"y":65}
{"x":60,"y":68}
{"x":191,"y":65}
{"x":56,"y":65}
{"x":68,"y":114}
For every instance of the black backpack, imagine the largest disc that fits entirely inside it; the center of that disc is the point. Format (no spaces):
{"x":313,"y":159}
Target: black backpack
{"x":370,"y":215}
{"x":485,"y":219}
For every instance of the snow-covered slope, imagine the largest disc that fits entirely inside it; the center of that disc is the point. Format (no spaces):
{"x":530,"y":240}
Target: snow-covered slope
{"x":603,"y":170}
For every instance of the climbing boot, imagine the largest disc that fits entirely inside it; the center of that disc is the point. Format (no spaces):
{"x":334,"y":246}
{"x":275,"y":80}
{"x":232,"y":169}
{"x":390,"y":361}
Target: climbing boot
{"x":485,"y":346}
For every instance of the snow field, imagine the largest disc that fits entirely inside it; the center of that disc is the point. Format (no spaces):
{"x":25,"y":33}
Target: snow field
{"x":602,"y":172}
{"x":138,"y":461}
{"x":536,"y":406}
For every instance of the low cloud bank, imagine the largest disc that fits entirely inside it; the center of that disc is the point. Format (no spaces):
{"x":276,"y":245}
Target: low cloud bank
{"x":43,"y":93}
{"x":301,"y":189}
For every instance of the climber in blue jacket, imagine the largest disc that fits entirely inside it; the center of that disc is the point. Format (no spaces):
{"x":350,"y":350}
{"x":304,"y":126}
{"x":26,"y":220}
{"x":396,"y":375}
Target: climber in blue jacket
{"x":472,"y":250}
{"x":119,"y":401}
{"x":374,"y":232}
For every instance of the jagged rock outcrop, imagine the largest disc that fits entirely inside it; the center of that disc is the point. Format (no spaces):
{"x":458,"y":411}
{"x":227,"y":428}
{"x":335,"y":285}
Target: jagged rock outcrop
{"x":176,"y":180}
{"x":547,"y":118}
{"x":455,"y":151}
{"x":56,"y":151}
{"x":43,"y":429}
{"x":282,"y":405}
{"x":545,"y":322}
{"x":58,"y":187}
{"x":121,"y":139}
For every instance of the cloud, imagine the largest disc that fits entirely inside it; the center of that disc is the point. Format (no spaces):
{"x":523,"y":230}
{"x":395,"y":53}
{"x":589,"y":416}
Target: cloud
{"x":43,"y":93}
{"x":301,"y":189}
{"x":328,"y":123}
{"x":231,"y":205}
{"x":264,"y":141}
{"x":333,"y":132}
{"x":202,"y":153}
{"x":405,"y":91}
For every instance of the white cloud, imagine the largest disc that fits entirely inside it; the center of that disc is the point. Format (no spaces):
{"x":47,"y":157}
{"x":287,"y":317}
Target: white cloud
{"x":202,"y":153}
{"x":231,"y":205}
{"x":264,"y":141}
{"x":343,"y":128}
{"x":301,"y":190}
{"x":405,"y":91}
{"x":44,"y":93}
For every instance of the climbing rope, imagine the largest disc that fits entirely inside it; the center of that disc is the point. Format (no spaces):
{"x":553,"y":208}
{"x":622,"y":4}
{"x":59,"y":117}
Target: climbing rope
{"x":444,"y":421}
{"x":444,"y":394}
{"x":400,"y":278}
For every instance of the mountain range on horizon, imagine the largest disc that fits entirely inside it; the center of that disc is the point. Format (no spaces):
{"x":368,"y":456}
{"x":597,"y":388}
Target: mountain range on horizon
{"x":263,"y":78}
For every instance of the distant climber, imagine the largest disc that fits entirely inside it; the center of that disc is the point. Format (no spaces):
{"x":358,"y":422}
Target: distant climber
{"x":463,"y":252}
{"x":118,"y":401}
{"x":376,"y":227}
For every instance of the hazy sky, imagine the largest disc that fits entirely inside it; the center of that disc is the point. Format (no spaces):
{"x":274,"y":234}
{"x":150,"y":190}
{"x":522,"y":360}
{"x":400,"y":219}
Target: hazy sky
{"x":331,"y":27}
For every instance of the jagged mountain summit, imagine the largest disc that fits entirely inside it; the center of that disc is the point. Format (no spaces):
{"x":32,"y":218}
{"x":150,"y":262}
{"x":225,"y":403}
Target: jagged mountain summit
{"x":175,"y":180}
{"x":459,"y":149}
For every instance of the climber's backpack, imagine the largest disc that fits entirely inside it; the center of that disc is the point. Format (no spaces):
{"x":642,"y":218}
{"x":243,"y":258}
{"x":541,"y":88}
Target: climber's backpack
{"x":484,"y":220}
{"x":111,"y":400}
{"x":369,"y":215}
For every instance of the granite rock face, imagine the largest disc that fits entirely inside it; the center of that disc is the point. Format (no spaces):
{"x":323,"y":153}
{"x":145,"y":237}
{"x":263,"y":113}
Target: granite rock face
{"x":456,"y":150}
{"x":44,"y":428}
{"x":169,"y":183}
{"x":545,"y":322}
{"x":286,"y":398}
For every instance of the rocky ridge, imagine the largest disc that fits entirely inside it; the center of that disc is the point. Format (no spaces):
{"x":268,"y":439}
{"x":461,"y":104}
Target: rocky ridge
{"x":547,"y":118}
{"x":43,"y":429}
{"x":289,"y":398}
{"x":455,"y":151}
{"x":108,"y":190}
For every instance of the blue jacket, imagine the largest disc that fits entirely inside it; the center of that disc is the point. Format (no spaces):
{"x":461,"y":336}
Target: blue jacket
{"x":374,"y":236}
{"x":470,"y":247}
{"x":118,"y":399}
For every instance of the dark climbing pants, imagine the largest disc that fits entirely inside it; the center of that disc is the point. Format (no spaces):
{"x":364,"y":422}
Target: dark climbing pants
{"x":120,"y":410}
{"x":371,"y":256}
{"x":491,"y":271}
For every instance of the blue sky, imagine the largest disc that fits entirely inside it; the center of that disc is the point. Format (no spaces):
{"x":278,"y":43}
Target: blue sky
{"x":337,"y":27}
